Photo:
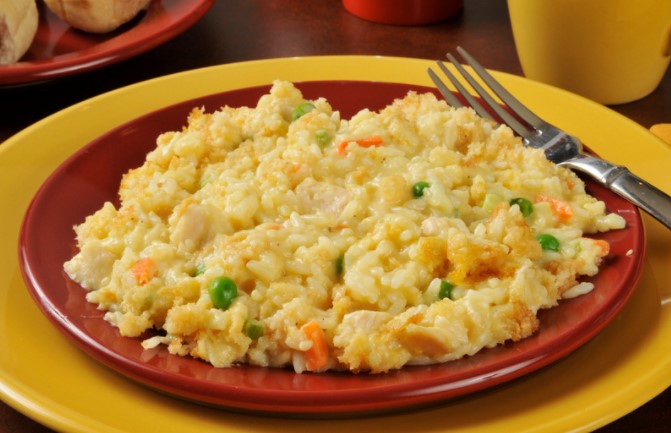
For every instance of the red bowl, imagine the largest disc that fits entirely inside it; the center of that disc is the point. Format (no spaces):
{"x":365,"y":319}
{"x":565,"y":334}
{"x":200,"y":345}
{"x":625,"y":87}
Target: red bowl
{"x":403,"y":12}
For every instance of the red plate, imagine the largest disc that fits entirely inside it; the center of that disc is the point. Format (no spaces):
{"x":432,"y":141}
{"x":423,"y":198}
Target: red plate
{"x":91,"y":176}
{"x":58,"y":49}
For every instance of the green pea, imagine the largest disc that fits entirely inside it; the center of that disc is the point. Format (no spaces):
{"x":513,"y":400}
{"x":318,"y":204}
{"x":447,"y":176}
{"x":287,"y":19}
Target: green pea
{"x":222,"y":292}
{"x":339,"y":265}
{"x":526,"y":207}
{"x":200,"y":270}
{"x":323,"y":137}
{"x":548,"y":242}
{"x":301,"y":110}
{"x":419,"y":187}
{"x":254,"y":329}
{"x":445,"y":290}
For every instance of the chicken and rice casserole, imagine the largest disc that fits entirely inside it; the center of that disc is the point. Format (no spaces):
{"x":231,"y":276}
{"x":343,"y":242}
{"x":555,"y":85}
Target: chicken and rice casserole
{"x":283,"y":235}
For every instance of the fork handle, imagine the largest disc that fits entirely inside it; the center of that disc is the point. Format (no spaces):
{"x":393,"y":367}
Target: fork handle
{"x":627,"y":185}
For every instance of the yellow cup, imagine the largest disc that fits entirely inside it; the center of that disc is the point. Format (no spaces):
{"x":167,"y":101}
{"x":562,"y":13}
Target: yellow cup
{"x":611,"y":51}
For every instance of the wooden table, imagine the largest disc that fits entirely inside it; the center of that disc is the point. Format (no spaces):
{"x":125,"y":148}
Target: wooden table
{"x":238,"y":30}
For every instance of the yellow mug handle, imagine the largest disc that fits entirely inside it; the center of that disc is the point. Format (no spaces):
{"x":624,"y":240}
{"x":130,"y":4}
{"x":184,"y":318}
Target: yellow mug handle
{"x":666,"y":51}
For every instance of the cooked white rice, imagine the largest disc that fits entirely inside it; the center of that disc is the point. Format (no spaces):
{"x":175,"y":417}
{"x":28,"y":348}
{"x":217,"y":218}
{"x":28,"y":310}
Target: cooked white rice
{"x":338,"y":265}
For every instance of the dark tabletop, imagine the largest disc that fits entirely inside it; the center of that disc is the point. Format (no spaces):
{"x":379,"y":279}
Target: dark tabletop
{"x":238,"y":30}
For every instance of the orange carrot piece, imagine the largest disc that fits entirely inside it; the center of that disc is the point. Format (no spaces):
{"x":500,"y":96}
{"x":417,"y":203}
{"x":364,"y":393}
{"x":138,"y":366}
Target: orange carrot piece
{"x":144,"y":270}
{"x":562,"y":209}
{"x":342,"y":146}
{"x":316,"y":356}
{"x":604,"y":247}
{"x":340,"y":226}
{"x":374,"y":140}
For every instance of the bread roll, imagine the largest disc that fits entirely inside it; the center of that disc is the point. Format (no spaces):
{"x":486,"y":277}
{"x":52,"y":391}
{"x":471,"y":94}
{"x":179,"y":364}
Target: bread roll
{"x":18,"y":24}
{"x":96,"y":16}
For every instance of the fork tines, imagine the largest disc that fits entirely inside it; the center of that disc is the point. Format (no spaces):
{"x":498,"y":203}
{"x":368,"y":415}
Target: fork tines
{"x":491,"y":109}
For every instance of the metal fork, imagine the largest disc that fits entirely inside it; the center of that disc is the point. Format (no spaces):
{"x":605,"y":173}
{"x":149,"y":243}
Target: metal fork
{"x":560,"y":147}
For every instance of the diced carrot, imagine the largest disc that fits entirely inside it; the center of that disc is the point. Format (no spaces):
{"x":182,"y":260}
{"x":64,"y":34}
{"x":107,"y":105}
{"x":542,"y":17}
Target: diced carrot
{"x":604,"y":247}
{"x":562,"y":209}
{"x":340,"y":226}
{"x":374,"y":140}
{"x":570,"y":184}
{"x":316,"y":356}
{"x":144,"y":270}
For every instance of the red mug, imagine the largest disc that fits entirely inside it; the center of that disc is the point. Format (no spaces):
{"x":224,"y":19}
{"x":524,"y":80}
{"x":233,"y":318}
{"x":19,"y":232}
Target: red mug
{"x":403,"y":12}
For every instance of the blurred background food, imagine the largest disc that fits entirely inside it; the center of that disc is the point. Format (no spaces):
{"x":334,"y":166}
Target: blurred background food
{"x":95,"y":16}
{"x":19,"y":20}
{"x":18,"y":24}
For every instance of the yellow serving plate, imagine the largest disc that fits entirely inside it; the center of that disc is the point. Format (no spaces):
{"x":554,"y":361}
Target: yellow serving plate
{"x":46,"y":377}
